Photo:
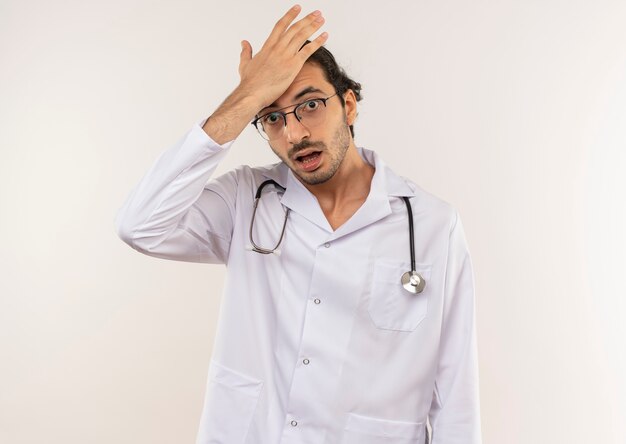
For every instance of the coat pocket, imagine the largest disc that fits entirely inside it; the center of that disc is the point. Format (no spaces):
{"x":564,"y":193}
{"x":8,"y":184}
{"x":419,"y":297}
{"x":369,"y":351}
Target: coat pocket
{"x":391,"y":307}
{"x":361,"y":429}
{"x":229,"y":406}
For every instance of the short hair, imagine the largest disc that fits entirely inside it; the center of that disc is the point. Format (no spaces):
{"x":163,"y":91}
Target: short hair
{"x":335,"y":75}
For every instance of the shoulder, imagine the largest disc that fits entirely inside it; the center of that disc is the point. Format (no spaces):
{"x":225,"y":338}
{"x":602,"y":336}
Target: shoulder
{"x":425,"y":205}
{"x":255,"y":175}
{"x":250,"y":176}
{"x":436,"y":209}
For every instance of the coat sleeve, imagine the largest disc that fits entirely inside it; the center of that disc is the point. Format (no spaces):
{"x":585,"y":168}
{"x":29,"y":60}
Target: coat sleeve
{"x":172,"y":213}
{"x":455,"y":410}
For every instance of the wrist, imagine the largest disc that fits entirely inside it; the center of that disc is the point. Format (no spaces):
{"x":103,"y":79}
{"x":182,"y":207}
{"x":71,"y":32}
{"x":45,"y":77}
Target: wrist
{"x":232,"y":116}
{"x":248,"y":98}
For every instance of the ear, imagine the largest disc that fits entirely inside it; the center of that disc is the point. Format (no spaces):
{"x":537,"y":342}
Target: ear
{"x":350,"y":106}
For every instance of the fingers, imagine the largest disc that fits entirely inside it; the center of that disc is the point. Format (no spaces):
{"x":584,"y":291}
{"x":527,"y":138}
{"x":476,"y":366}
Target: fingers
{"x":315,"y":44}
{"x":293,"y":36}
{"x":312,"y":21}
{"x":282,"y":24}
{"x":302,"y":30}
{"x":268,"y":73}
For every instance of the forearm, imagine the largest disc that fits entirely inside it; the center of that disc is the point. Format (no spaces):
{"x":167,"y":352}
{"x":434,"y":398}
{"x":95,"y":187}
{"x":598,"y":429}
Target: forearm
{"x":232,"y":116}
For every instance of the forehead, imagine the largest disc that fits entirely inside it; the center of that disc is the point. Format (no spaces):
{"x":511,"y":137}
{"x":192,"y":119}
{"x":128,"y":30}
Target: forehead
{"x":311,"y":75}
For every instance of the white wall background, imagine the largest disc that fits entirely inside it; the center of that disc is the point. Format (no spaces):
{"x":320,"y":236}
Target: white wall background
{"x":514,"y":111}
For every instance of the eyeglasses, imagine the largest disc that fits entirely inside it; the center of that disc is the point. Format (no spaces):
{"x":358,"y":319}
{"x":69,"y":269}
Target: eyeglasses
{"x":311,"y":113}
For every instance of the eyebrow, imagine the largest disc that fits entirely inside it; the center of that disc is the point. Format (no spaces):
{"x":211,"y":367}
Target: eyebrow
{"x":304,"y":92}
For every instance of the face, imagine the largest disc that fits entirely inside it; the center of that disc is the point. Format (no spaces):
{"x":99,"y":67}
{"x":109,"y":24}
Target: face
{"x":314,"y":154}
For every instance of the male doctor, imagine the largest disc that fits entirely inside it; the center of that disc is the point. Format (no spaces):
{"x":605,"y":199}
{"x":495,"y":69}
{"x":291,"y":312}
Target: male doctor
{"x":320,"y":338}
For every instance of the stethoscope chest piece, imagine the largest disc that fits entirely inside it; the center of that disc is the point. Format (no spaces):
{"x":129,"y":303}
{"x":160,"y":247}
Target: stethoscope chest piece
{"x":413,"y":282}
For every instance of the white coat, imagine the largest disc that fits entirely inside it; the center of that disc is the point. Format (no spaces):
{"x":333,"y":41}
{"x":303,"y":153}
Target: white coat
{"x":320,"y":344}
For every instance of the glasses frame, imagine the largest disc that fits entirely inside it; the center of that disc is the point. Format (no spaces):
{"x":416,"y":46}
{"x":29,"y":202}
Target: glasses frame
{"x":256,"y":124}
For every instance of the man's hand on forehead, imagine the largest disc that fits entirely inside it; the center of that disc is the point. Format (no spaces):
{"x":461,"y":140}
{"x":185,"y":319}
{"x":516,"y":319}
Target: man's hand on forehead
{"x":268,"y":74}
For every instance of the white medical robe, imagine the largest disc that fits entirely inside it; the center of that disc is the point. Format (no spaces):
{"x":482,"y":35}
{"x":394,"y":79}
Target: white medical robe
{"x":320,"y":344}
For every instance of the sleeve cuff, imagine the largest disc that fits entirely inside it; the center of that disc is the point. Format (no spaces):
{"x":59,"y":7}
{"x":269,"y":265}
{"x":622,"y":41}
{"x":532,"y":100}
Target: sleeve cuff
{"x":202,"y":138}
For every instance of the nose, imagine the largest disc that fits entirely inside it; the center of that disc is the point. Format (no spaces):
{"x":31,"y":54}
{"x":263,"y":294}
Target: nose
{"x":295,"y":130}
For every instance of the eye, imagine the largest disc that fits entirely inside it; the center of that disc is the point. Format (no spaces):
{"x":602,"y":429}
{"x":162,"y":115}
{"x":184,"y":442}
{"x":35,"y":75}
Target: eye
{"x":271,"y":119}
{"x":311,"y":105}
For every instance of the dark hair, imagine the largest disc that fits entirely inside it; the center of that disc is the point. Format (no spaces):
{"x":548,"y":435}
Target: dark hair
{"x":335,"y":75}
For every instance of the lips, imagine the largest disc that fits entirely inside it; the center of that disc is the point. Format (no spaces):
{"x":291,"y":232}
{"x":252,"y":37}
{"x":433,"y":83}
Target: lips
{"x":302,"y":155}
{"x":308,"y":160}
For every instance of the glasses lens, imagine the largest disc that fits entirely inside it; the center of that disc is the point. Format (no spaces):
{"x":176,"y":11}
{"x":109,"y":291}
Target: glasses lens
{"x":260,"y":130}
{"x":272,"y":125}
{"x":312,"y":112}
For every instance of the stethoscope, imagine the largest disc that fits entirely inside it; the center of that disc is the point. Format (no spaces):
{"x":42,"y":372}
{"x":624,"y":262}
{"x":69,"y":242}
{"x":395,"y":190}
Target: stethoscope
{"x":412,"y":281}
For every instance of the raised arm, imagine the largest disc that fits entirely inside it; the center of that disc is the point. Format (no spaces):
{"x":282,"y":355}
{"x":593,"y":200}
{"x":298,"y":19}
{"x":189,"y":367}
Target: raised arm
{"x":172,"y":213}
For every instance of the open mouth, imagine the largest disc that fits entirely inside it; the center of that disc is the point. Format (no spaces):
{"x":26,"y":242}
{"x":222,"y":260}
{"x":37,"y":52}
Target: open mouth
{"x":306,"y":158}
{"x":310,"y":160}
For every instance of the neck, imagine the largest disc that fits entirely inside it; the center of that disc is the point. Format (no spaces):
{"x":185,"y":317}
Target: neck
{"x":349,"y":186}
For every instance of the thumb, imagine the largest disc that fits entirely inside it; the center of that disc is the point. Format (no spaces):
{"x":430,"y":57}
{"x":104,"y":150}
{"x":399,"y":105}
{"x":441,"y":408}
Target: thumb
{"x":246,"y":50}
{"x":245,"y":56}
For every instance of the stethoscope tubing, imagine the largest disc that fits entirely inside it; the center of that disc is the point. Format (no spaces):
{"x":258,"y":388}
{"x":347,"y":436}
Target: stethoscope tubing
{"x":412,"y":281}
{"x":257,"y":197}
{"x":411,"y":234}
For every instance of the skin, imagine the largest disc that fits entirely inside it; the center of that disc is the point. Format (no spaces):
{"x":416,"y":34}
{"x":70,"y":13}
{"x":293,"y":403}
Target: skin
{"x":275,"y":76}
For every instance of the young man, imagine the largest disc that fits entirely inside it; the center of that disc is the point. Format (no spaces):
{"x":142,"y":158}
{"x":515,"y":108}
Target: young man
{"x":348,"y":313}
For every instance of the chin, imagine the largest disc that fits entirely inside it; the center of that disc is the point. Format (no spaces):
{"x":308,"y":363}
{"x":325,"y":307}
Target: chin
{"x":317,"y":177}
